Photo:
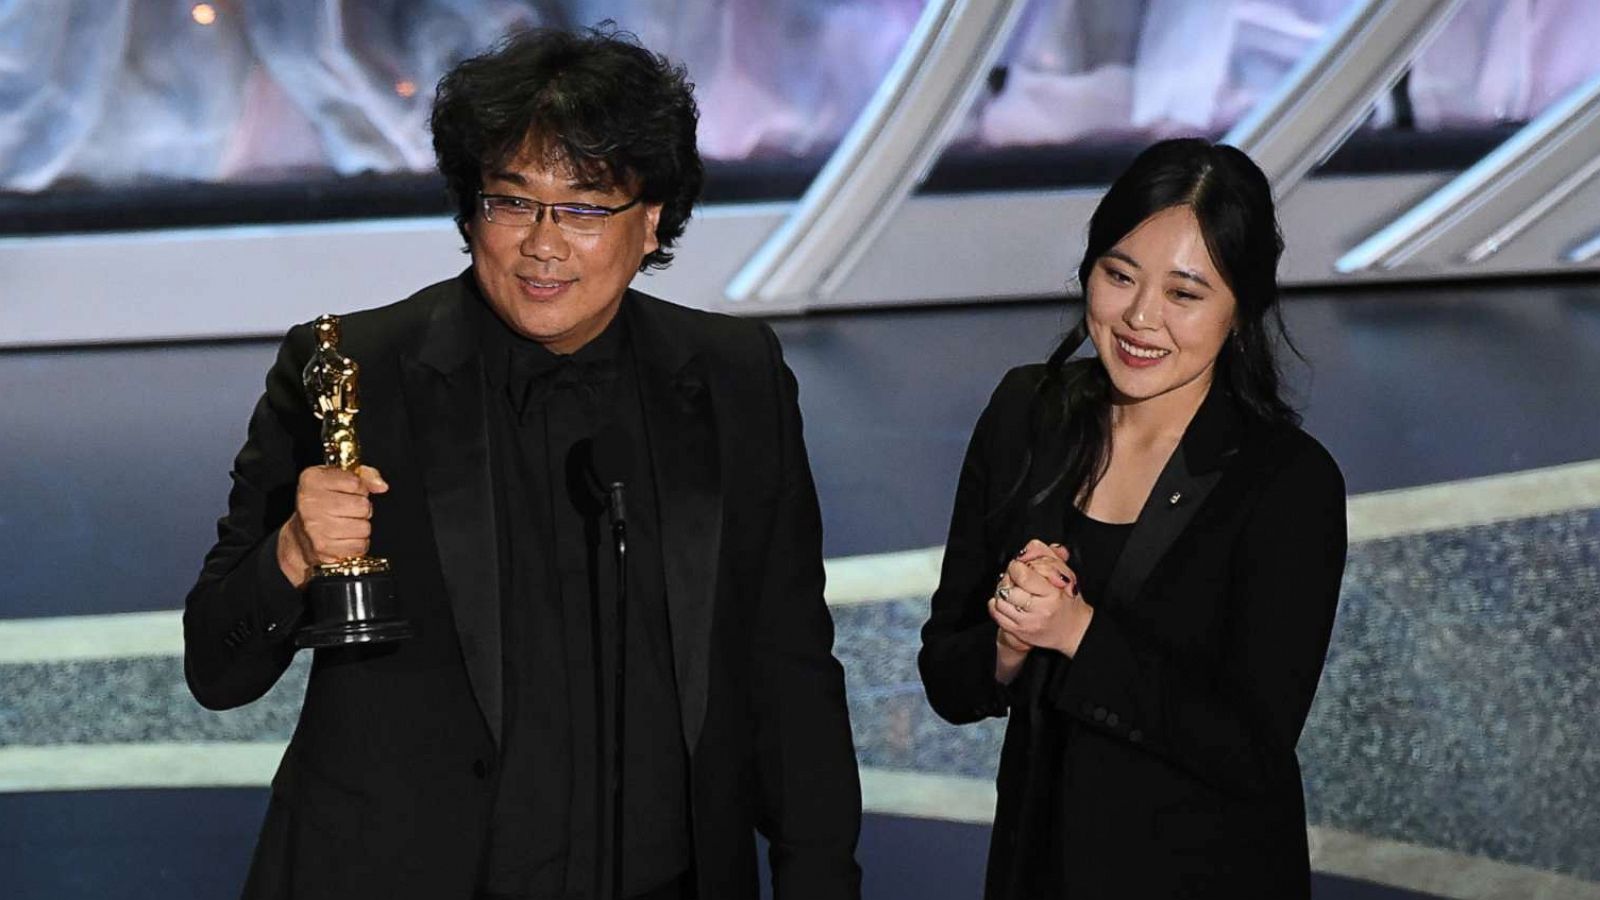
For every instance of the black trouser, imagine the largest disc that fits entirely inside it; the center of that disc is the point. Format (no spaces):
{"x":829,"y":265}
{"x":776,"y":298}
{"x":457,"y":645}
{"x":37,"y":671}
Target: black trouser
{"x":678,"y":888}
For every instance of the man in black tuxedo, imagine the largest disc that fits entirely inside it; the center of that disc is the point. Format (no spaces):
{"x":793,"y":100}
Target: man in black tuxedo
{"x":470,"y":761}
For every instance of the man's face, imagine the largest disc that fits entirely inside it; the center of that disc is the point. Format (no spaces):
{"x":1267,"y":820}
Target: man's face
{"x":554,"y":287}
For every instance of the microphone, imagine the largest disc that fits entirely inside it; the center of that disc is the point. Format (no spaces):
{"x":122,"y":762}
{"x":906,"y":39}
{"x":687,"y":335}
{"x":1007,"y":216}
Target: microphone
{"x":611,"y":462}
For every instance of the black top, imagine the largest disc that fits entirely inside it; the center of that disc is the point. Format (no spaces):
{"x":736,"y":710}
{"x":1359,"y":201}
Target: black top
{"x":551,"y":825}
{"x":1094,"y":549}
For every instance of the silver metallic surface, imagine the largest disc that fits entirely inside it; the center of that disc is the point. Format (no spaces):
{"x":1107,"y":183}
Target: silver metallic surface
{"x":1495,"y":201}
{"x":883,"y":156}
{"x":1329,"y":93}
{"x":1588,"y":251}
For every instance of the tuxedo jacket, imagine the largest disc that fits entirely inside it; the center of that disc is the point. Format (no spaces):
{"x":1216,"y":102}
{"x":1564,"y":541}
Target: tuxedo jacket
{"x":1160,"y":760}
{"x":386,"y":787}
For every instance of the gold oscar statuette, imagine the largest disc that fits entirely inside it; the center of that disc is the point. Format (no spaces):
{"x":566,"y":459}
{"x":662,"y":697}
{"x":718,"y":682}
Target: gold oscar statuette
{"x":351,"y":601}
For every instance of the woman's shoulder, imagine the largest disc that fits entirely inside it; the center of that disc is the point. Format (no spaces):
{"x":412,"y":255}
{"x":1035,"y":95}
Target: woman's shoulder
{"x":1017,"y":388}
{"x":1010,"y":402}
{"x":1290,"y":454}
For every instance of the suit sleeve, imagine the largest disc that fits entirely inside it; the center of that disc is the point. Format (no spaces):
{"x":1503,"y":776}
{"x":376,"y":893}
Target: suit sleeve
{"x":810,"y":790}
{"x":957,"y":660}
{"x":1235,"y":724}
{"x":238,"y":618}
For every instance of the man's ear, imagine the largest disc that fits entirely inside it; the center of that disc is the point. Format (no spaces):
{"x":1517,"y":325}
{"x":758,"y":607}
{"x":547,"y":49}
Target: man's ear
{"x":652,"y":217}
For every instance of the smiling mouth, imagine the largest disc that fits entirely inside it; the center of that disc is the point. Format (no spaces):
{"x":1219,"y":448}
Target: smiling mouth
{"x":545,"y":284}
{"x":1140,"y":351}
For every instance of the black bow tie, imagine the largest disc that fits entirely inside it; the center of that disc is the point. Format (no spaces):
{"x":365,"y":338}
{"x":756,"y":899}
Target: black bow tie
{"x":532,"y":380}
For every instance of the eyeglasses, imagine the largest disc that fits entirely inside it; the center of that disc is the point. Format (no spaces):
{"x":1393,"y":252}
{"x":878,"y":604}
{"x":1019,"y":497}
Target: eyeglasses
{"x":585,"y":219}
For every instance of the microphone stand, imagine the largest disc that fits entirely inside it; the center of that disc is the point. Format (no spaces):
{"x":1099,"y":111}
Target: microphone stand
{"x":619,"y":539}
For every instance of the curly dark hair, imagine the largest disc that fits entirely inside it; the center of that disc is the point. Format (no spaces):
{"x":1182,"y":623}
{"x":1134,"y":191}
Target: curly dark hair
{"x":614,"y":111}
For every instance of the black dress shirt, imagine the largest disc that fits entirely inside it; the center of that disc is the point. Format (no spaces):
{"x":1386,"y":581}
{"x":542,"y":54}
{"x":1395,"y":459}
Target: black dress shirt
{"x":551,"y":828}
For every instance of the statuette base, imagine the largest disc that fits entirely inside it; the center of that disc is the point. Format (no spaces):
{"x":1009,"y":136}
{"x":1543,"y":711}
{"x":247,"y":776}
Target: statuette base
{"x":353,"y":608}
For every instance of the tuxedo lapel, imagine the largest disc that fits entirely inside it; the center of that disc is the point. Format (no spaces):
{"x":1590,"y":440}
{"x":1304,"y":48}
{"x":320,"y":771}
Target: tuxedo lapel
{"x":1182,"y":487}
{"x":449,"y":427}
{"x":681,"y":431}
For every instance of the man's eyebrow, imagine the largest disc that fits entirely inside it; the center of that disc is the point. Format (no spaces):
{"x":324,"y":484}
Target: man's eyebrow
{"x":594,"y":185}
{"x":512,"y":177}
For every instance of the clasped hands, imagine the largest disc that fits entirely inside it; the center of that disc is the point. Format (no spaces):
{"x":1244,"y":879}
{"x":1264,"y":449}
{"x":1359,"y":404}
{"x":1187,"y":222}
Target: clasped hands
{"x":1036,"y":604}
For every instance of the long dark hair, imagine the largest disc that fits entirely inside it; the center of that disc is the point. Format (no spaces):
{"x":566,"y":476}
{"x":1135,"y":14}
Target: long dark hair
{"x":1232,"y":201}
{"x":617,"y":112}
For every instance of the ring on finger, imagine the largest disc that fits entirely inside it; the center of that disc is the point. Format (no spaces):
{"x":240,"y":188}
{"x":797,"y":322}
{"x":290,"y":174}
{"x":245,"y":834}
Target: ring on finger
{"x":1003,"y":592}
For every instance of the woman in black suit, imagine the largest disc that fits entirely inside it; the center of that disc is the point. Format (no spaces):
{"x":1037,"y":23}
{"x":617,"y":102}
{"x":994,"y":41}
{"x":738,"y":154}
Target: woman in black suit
{"x":1144,"y":561}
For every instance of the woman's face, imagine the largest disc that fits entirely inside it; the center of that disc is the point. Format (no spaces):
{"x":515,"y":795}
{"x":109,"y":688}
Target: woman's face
{"x":1159,"y":311}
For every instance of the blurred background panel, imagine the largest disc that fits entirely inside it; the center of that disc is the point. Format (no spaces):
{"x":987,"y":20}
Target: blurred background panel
{"x":265,"y":152}
{"x":115,"y":94}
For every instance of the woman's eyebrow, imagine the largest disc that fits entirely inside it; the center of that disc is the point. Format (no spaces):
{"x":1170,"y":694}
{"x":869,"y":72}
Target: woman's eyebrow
{"x":1118,"y":254}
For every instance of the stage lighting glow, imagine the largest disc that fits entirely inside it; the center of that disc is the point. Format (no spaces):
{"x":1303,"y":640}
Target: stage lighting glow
{"x":405,"y":88}
{"x":204,"y":13}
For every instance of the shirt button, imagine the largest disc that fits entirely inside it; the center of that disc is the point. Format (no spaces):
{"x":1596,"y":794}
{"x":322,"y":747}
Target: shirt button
{"x":1111,"y":719}
{"x":1136,"y":735}
{"x":1099,"y":713}
{"x":480,"y":768}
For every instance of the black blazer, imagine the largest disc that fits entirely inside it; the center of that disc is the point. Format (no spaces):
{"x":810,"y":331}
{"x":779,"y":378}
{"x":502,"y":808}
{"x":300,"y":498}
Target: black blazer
{"x":384,"y":791}
{"x":1163,"y":754}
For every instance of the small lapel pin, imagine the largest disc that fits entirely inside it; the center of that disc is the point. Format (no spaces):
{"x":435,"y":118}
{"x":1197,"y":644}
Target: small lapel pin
{"x":1176,"y":496}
